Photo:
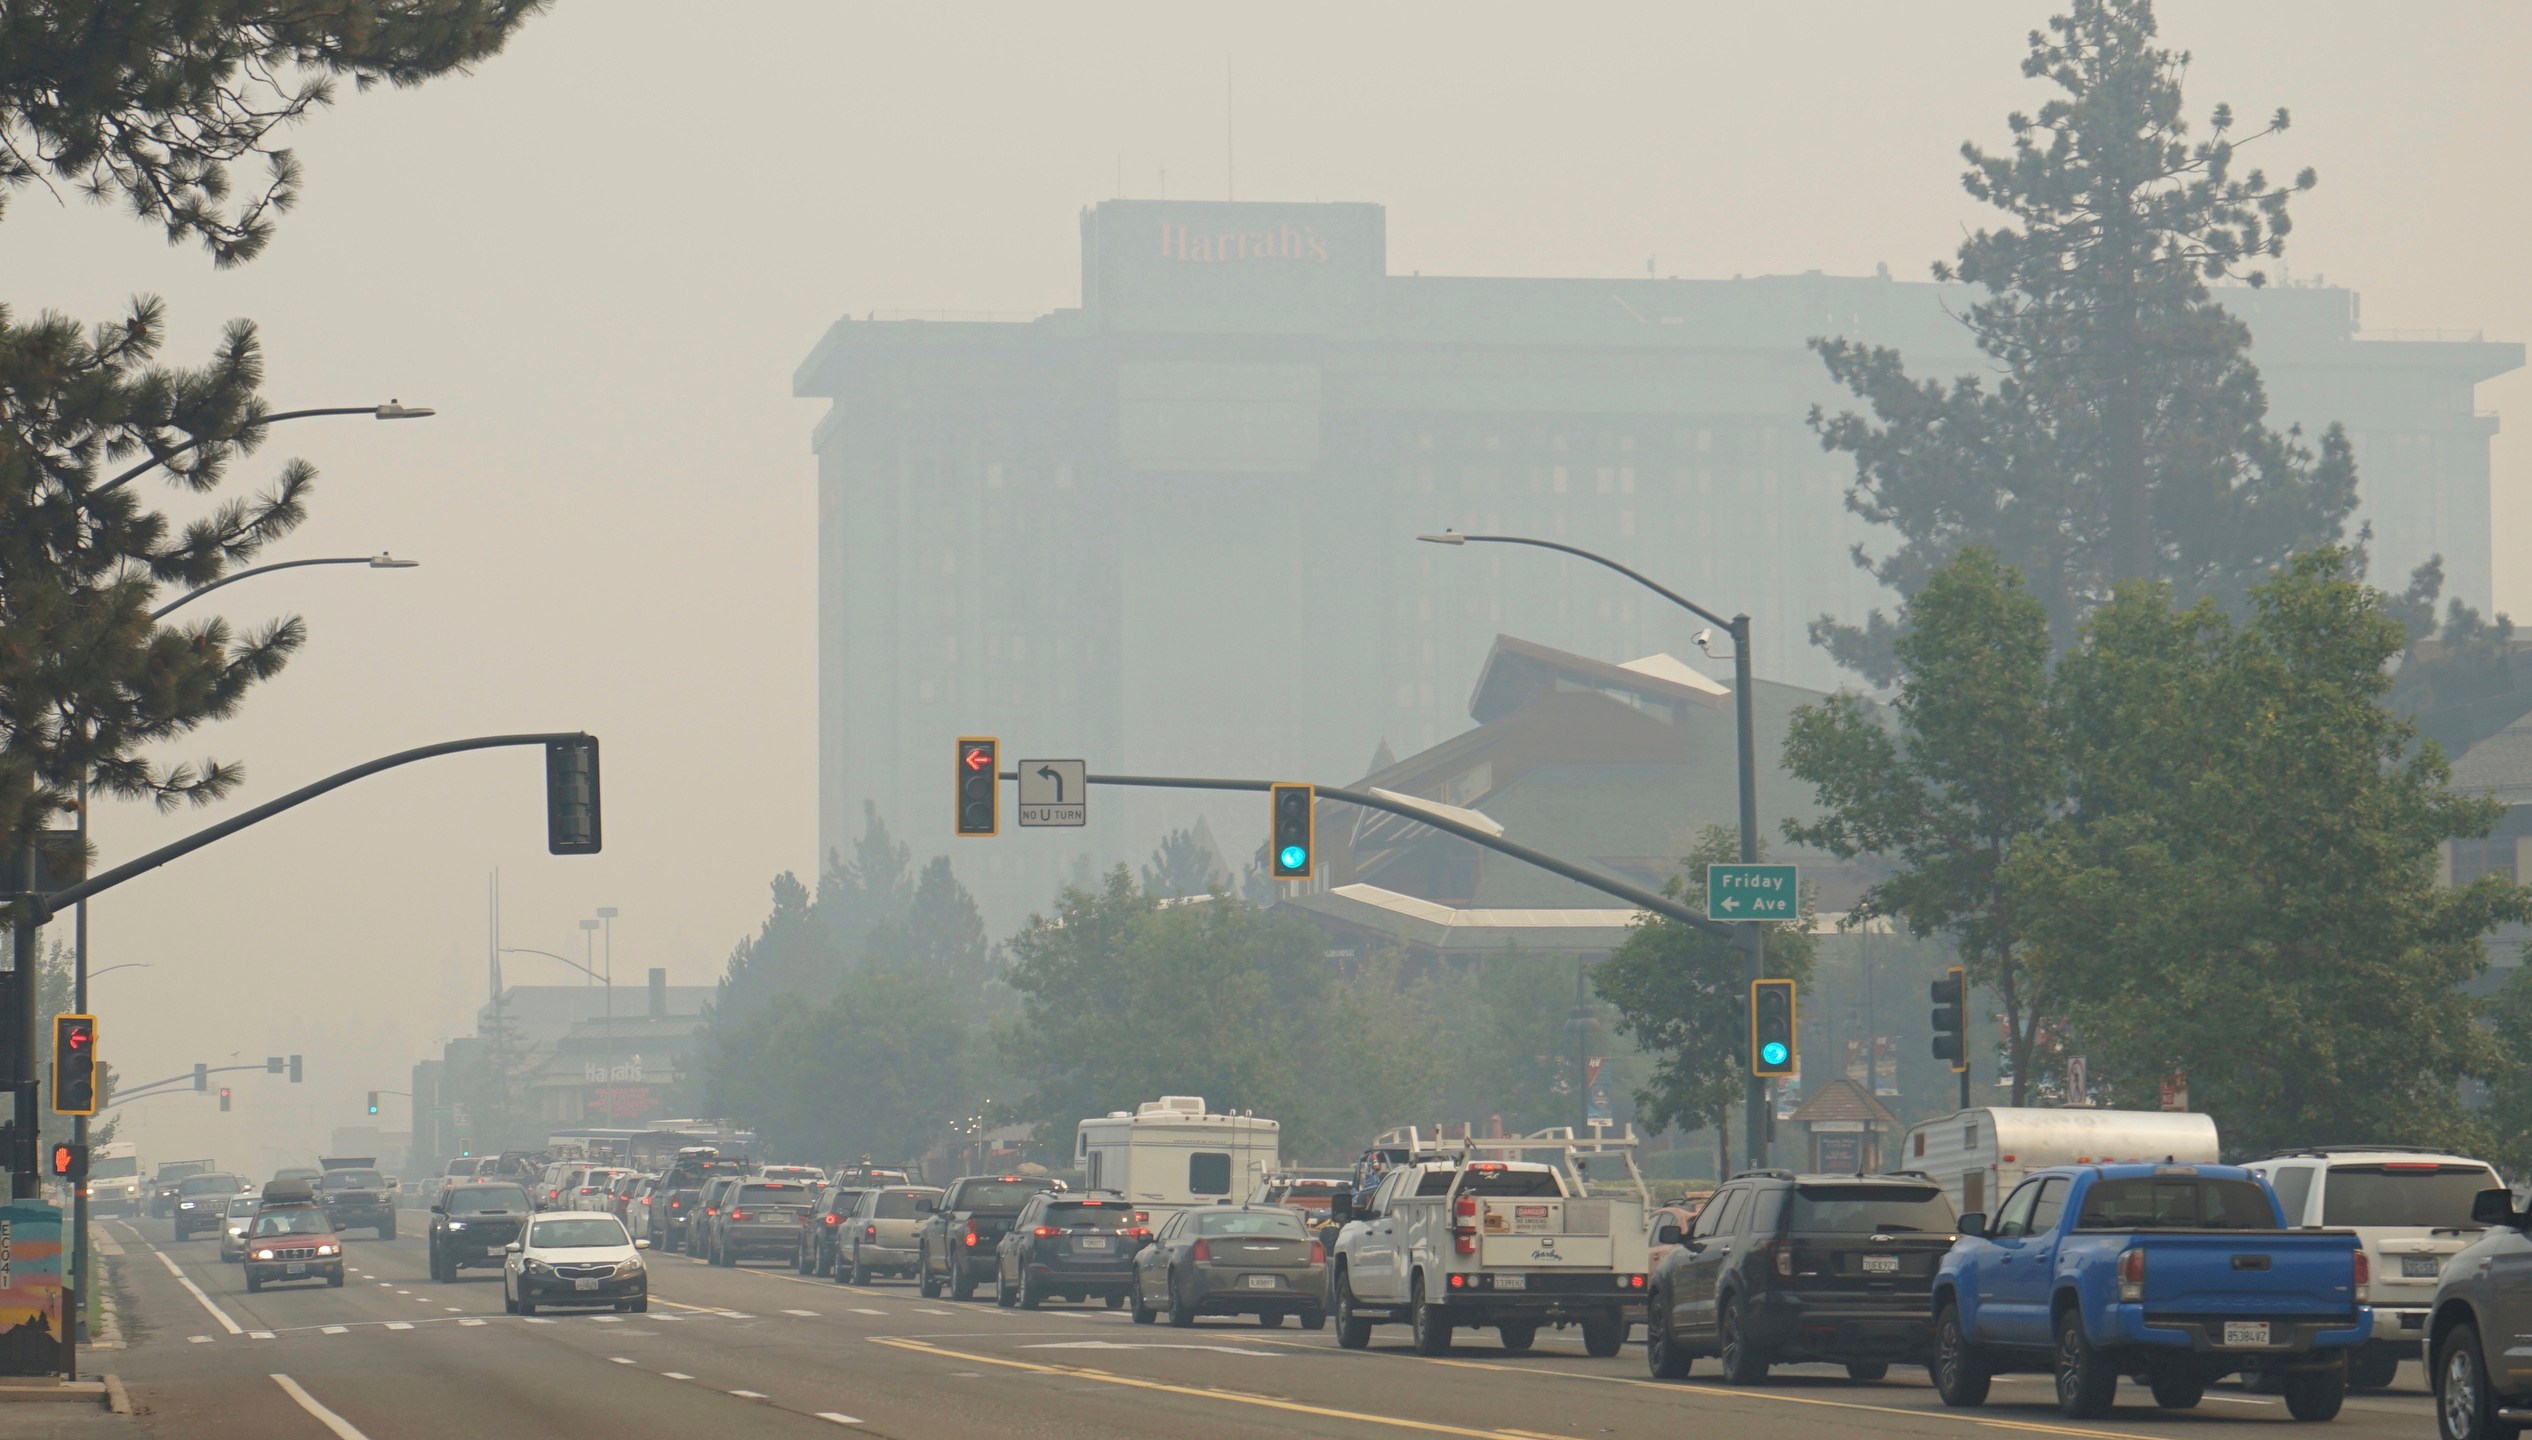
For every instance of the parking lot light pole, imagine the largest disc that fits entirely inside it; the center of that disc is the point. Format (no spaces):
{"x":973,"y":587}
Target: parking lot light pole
{"x":1750,"y":933}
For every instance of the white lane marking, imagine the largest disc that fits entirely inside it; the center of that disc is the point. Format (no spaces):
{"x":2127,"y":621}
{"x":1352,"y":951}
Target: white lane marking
{"x":928,"y":1310}
{"x":334,"y":1330}
{"x":622,"y":1359}
{"x":342,"y":1428}
{"x":259,"y":1334}
{"x":859,"y":1310}
{"x":674,"y":1375}
{"x":538,"y":1320}
{"x":803,"y":1314}
{"x":2239,"y":1400}
{"x":185,"y":1280}
{"x":199,"y":1339}
{"x":736,"y":1315}
{"x":470,"y":1322}
{"x":607,"y":1319}
{"x":399,"y":1324}
{"x":749,"y":1394}
{"x":386,"y":1284}
{"x":838,"y":1417}
{"x":453,"y":1310}
{"x":1155,"y":1345}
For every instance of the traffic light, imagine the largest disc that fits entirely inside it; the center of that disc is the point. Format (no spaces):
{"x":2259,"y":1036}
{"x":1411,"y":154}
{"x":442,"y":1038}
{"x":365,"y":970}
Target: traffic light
{"x":571,"y":796}
{"x":274,"y":1064}
{"x":294,"y":1069}
{"x":201,"y":1078}
{"x":74,"y":1064}
{"x":979,"y":785}
{"x":373,"y":1102}
{"x":69,"y":1162}
{"x":1292,"y":812}
{"x":1772,"y":1028}
{"x":1951,"y":1018}
{"x":224,"y":1098}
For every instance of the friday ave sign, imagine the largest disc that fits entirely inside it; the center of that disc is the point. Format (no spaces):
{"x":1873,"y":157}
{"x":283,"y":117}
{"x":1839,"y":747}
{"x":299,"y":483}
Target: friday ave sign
{"x":1752,"y":892}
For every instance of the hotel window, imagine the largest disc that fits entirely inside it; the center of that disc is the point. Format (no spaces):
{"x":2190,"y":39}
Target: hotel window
{"x":2474,"y":858}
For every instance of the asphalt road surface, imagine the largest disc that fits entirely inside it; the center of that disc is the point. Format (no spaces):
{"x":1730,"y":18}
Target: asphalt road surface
{"x":759,"y":1351}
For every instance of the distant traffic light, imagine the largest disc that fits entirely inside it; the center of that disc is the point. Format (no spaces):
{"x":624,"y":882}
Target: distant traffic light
{"x":1951,"y":1018}
{"x":373,"y":1102}
{"x":294,"y":1069}
{"x":571,"y":796}
{"x":74,"y":1064}
{"x":224,"y":1097}
{"x":1772,"y":1028}
{"x":68,"y":1162}
{"x":274,"y":1064}
{"x":201,"y":1078}
{"x":979,"y":786}
{"x":1291,"y":811}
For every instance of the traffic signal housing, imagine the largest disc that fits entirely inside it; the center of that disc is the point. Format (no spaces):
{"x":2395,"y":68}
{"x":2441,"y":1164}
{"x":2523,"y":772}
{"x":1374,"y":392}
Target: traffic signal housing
{"x":571,"y":796}
{"x":1293,"y":822}
{"x":1951,"y":1018}
{"x":1772,"y":1028}
{"x":979,"y":786}
{"x":373,"y":1102}
{"x":74,"y":1064}
{"x":224,"y":1098}
{"x":66,"y":1161}
{"x":201,"y":1078}
{"x":294,"y":1069}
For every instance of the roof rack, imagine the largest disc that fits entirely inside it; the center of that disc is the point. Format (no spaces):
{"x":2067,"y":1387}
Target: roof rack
{"x":2355,"y":1150}
{"x":1767,"y":1174}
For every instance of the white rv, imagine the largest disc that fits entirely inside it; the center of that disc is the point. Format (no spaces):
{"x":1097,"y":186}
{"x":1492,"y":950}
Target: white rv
{"x":1173,"y":1151}
{"x":1980,"y":1155}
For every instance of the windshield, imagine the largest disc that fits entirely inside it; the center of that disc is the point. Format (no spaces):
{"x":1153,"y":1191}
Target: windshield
{"x":242,"y":1205}
{"x":1865,"y":1209}
{"x":1281,"y":1223}
{"x":578,"y":1232}
{"x":208,"y":1185}
{"x":2433,"y":1196}
{"x":489,"y":1200}
{"x":352,"y":1180}
{"x":999,"y":1194}
{"x":113,"y":1169}
{"x":771,"y":1195}
{"x":1089,"y":1215}
{"x":896,"y":1205}
{"x":293,"y":1222}
{"x":2178,"y":1203}
{"x":1511,"y":1182}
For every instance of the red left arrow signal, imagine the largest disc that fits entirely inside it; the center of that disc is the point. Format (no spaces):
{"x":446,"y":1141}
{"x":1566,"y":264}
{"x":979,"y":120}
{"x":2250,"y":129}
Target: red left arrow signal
{"x":979,"y":757}
{"x":78,"y":1036}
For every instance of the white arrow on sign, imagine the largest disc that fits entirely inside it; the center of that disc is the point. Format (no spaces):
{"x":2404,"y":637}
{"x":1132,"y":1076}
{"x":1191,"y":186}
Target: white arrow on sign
{"x":1730,"y":902}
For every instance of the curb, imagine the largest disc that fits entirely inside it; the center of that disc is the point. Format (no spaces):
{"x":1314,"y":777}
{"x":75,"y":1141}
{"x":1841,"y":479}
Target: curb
{"x":118,"y":1399}
{"x":92,"y":1392}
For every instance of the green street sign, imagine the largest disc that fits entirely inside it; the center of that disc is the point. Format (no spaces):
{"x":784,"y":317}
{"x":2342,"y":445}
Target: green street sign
{"x":1753,"y":892}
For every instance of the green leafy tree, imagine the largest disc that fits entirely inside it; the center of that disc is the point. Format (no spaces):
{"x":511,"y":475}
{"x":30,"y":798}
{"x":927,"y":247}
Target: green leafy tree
{"x":1184,"y":864}
{"x":1966,"y":769}
{"x":791,"y":960}
{"x":894,"y":1046}
{"x":2245,"y":890}
{"x":2125,"y":434}
{"x":941,"y":933}
{"x":873,"y":888}
{"x":2508,"y":1114}
{"x":1682,"y":995}
{"x":152,"y":101}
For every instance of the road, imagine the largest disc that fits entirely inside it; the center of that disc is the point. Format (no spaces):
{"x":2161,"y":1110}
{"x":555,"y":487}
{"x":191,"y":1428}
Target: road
{"x":759,"y":1351}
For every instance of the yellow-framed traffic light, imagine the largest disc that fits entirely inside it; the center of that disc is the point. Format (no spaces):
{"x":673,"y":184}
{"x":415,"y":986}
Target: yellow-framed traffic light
{"x":1772,"y":1047}
{"x":75,"y":1065}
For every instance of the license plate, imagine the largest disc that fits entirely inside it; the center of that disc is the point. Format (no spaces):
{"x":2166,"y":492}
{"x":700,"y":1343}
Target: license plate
{"x":294,"y":1268}
{"x":584,"y":1284}
{"x":2245,"y":1332}
{"x":2421,"y":1267}
{"x":1261,"y":1282}
{"x":1091,"y":1242}
{"x":1881,"y":1264}
{"x":1512,"y":1282}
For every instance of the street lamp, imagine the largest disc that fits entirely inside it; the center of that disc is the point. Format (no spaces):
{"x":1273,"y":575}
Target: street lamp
{"x":126,"y":965}
{"x":606,"y":920}
{"x":392,"y":410}
{"x":380,"y":561}
{"x":1754,"y":1090}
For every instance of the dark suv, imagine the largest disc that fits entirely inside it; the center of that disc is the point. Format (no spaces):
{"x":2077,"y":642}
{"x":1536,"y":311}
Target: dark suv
{"x":1782,"y":1267}
{"x":1073,"y":1247}
{"x":677,"y":1198}
{"x":470,"y":1223}
{"x":822,"y":1229}
{"x":2477,"y":1362}
{"x":758,"y":1217}
{"x":957,"y":1241}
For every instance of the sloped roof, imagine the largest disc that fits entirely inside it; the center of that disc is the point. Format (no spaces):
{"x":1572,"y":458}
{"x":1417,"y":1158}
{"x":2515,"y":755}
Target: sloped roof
{"x":1517,"y":670}
{"x":1842,"y":1099}
{"x":2499,"y":767}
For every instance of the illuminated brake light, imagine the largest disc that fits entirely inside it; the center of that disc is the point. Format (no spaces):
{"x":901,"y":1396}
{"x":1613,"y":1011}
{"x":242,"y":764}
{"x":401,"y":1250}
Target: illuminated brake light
{"x":1318,"y":1253}
{"x":870,"y":1232}
{"x":1202,"y":1252}
{"x":1459,"y":1282}
{"x":1046,"y":1232}
{"x":835,"y":1219}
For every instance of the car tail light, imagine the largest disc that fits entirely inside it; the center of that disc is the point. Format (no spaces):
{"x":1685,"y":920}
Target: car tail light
{"x":1318,"y":1253}
{"x":1784,"y":1258}
{"x":1047,"y":1232}
{"x":675,"y":1204}
{"x":2132,"y":1274}
{"x":835,"y":1219}
{"x":1202,"y":1252}
{"x":1635,"y":1282}
{"x":1142,"y":1217}
{"x":1137,"y":1232}
{"x":870,"y":1232}
{"x":1459,"y":1282}
{"x":971,"y":1233}
{"x":588,"y":1189}
{"x":2364,"y":1274}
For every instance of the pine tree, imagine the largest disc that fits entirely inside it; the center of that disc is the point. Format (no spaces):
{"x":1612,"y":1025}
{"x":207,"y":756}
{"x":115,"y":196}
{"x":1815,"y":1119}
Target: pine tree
{"x":2126,"y":436}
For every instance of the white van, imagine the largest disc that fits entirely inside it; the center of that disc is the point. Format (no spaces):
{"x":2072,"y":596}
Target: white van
{"x":1978,"y":1156}
{"x":1173,"y":1151}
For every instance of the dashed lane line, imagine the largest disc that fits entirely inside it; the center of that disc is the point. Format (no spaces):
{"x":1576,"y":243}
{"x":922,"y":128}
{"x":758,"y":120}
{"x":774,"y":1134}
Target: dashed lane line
{"x":750,"y":1394}
{"x":334,"y":1329}
{"x":838,"y":1416}
{"x":623,"y":1359}
{"x":674,"y":1375}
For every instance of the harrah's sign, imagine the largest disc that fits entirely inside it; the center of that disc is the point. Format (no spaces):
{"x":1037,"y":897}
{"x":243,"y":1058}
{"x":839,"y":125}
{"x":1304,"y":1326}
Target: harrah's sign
{"x":1283,"y":242}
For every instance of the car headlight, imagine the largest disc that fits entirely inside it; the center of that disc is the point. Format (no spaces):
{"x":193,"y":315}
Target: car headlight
{"x":185,"y":1205}
{"x":263,"y":1254}
{"x":456,"y":1224}
{"x":629,"y":1267}
{"x":329,"y":1249}
{"x":539,"y":1267}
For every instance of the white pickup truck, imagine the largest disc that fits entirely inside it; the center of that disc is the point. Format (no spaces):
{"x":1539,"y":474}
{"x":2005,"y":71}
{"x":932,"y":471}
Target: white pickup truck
{"x":1503,"y":1243}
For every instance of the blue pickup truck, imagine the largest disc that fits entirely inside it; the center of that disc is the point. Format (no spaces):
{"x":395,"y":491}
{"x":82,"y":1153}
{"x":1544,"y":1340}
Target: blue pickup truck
{"x":2175,"y":1274}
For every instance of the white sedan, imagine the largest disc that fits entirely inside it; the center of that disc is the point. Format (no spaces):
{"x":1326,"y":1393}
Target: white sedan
{"x":575,"y":1258}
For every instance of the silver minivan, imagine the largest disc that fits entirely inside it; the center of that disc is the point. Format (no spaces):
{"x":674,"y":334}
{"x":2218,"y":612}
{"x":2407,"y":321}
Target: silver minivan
{"x":880,"y":1238}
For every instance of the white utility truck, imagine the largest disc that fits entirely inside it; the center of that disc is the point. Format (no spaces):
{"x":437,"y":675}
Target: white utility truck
{"x":1172,"y":1152}
{"x":1447,"y":1241}
{"x":1978,"y":1156}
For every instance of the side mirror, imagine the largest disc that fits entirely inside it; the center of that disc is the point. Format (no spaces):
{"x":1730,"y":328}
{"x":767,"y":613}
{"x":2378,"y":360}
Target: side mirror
{"x":2493,"y":1207}
{"x":510,"y":1249}
{"x":1974,"y":1224}
{"x":641,"y":1244}
{"x":1667,"y":1234}
{"x":438,"y":1210}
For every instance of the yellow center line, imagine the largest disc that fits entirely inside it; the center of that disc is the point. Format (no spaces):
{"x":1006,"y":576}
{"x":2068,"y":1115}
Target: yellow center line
{"x":1292,"y":1407}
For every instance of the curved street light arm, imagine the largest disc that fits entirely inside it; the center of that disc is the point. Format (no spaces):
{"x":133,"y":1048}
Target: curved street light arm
{"x":550,"y":955}
{"x":1452,"y":537}
{"x":379,"y":561}
{"x":392,"y":410}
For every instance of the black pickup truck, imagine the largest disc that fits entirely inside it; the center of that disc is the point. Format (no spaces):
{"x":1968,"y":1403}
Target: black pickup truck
{"x":955,"y":1249}
{"x":355,"y":1193}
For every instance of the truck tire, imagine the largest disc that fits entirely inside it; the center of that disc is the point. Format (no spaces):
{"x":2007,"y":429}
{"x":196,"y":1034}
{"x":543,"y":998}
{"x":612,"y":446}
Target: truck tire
{"x":2465,"y":1403}
{"x":861,"y":1272}
{"x":1743,"y":1362}
{"x":1142,"y":1314}
{"x":1517,"y":1337}
{"x":1961,"y":1375}
{"x":924,"y":1280}
{"x":1353,"y":1332}
{"x":1664,"y":1356}
{"x":1430,"y":1323}
{"x":2373,"y":1369}
{"x":387,"y":1227}
{"x":2317,"y":1394}
{"x":1181,"y":1314}
{"x":1604,"y":1335}
{"x":2087,"y":1384}
{"x":1028,"y":1297}
{"x":2176,"y":1389}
